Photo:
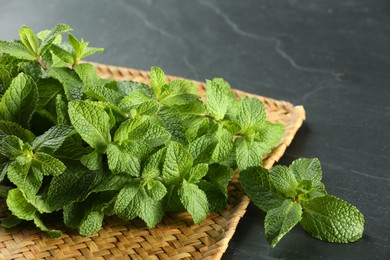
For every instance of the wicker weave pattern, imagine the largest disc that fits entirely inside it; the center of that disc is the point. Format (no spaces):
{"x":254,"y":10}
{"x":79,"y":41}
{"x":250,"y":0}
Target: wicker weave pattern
{"x":176,"y":237}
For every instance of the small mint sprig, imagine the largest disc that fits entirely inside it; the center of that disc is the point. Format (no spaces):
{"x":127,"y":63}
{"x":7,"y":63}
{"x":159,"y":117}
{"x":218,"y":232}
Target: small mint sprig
{"x":295,"y":194}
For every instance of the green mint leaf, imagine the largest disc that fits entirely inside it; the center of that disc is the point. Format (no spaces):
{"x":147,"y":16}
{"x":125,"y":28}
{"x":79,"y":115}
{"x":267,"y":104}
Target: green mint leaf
{"x":279,"y":221}
{"x":63,"y":52}
{"x":202,"y":148}
{"x":11,"y":146}
{"x":19,"y":206}
{"x":88,"y":51}
{"x":220,"y":175}
{"x":194,"y":200}
{"x":224,"y":145}
{"x":331,"y":219}
{"x":48,"y":89}
{"x":52,"y":139}
{"x":19,"y":173}
{"x":120,"y":161}
{"x":91,"y":223}
{"x":153,"y":164}
{"x":172,"y":201}
{"x":257,"y":185}
{"x":155,"y":189}
{"x":62,"y":111}
{"x":11,"y":128}
{"x":131,"y":129}
{"x":179,"y":92}
{"x":17,"y":50}
{"x":11,"y":221}
{"x":77,"y":48}
{"x":283,"y":180}
{"x":19,"y":101}
{"x":5,"y":78}
{"x":91,"y":122}
{"x":88,"y":74}
{"x":52,"y":232}
{"x":92,"y":161}
{"x":73,"y":185}
{"x":217,"y":99}
{"x":44,"y":164}
{"x":157,"y":80}
{"x":125,"y":87}
{"x":73,"y":87}
{"x":139,"y":101}
{"x":269,"y":135}
{"x":307,"y":169}
{"x":196,"y":173}
{"x":248,"y":153}
{"x":251,"y":115}
{"x":50,"y":37}
{"x":177,"y":162}
{"x":27,"y":37}
{"x":216,"y":198}
{"x":133,"y":201}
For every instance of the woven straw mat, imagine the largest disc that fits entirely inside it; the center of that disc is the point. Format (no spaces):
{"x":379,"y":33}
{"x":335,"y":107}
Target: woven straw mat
{"x":176,"y":237}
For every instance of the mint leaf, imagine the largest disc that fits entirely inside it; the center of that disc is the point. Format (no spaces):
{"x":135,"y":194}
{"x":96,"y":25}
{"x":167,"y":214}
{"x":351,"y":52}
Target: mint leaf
{"x":194,"y":200}
{"x":307,"y":169}
{"x":220,"y":175}
{"x":133,"y":201}
{"x":91,"y":122}
{"x":11,"y":221}
{"x":19,"y":173}
{"x":50,"y":37}
{"x":71,"y":83}
{"x":268,"y":135}
{"x":120,"y":161}
{"x":153,"y":164}
{"x":44,"y":164}
{"x":202,"y":148}
{"x":52,"y":232}
{"x":52,"y":139}
{"x":331,"y":219}
{"x":48,"y":89}
{"x":224,"y":145}
{"x":17,"y":50}
{"x":11,"y":146}
{"x":157,"y":80}
{"x":179,"y":92}
{"x":27,"y":37}
{"x":281,"y":220}
{"x":73,"y":185}
{"x":62,"y":111}
{"x":91,"y":223}
{"x":217,"y":99}
{"x":196,"y":173}
{"x":251,"y":114}
{"x":284,"y":181}
{"x":155,"y":189}
{"x":63,"y":52}
{"x":92,"y":161}
{"x":177,"y":162}
{"x":217,"y":200}
{"x":140,"y":102}
{"x":19,"y":206}
{"x":248,"y":153}
{"x":257,"y":185}
{"x":19,"y":101}
{"x":11,"y":128}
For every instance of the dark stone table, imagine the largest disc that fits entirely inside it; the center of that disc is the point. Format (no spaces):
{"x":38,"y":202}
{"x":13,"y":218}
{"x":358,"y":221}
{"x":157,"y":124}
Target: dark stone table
{"x":332,"y":57}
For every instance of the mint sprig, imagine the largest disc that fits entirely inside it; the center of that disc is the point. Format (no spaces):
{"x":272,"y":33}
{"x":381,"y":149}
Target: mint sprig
{"x":86,"y":147}
{"x":295,"y":194}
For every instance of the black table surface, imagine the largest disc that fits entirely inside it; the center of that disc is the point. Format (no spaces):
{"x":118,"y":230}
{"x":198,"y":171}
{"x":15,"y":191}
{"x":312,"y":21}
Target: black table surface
{"x":332,"y":57}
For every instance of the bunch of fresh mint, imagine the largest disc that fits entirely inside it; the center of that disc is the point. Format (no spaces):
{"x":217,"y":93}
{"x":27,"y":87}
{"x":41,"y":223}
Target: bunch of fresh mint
{"x":83,"y":147}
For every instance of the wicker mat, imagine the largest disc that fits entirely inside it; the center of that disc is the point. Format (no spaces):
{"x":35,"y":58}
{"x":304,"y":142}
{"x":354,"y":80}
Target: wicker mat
{"x":175,"y":237}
